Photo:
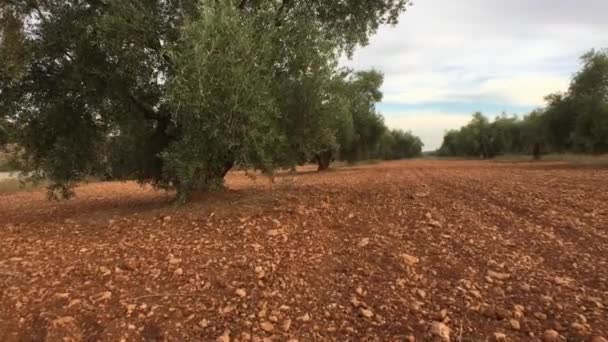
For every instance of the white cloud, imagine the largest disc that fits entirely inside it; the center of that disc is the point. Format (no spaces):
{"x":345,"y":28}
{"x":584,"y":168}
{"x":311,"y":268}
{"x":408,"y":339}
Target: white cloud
{"x":520,"y":90}
{"x":527,"y":90}
{"x":509,"y":53}
{"x":428,"y":125}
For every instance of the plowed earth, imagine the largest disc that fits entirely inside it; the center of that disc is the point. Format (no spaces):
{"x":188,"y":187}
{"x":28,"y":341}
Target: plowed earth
{"x":380,"y":253}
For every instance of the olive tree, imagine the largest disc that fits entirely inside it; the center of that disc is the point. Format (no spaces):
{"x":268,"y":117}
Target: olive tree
{"x":110,"y":87}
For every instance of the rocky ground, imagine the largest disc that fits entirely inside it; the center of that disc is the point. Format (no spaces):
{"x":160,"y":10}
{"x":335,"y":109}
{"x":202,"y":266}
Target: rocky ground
{"x":401,"y":251}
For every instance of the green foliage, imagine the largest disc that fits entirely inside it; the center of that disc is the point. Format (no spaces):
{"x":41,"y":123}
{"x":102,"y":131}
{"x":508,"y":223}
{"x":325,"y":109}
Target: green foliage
{"x":315,"y":111}
{"x":575,"y":121}
{"x":174,"y":93}
{"x":222,"y":101}
{"x":589,"y":94}
{"x":398,"y":144}
{"x":364,"y":92}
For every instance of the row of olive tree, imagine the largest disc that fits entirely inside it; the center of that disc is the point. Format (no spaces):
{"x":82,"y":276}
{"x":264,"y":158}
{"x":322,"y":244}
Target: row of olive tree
{"x":574,"y":121}
{"x":398,"y":144}
{"x":176,"y":93}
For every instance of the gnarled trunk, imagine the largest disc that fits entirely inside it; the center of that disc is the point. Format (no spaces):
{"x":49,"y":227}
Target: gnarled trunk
{"x":323,"y":160}
{"x":227,"y":167}
{"x":536,"y":151}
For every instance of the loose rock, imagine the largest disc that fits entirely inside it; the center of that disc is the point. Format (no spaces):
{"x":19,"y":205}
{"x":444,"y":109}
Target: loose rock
{"x":440,"y":332}
{"x":367,"y":313}
{"x":267,"y":326}
{"x":550,"y":336}
{"x":409,"y":260}
{"x":364,"y":242}
{"x":499,"y":275}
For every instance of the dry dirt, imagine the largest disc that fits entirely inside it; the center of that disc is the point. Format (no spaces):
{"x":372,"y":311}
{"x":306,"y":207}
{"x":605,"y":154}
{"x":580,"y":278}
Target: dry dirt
{"x":381,"y":252}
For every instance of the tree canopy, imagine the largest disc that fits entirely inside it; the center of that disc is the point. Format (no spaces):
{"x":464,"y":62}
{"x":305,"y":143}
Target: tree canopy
{"x":175,"y":93}
{"x":574,"y":121}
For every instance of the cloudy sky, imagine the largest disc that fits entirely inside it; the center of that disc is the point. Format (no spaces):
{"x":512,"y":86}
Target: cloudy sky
{"x":447,"y":58}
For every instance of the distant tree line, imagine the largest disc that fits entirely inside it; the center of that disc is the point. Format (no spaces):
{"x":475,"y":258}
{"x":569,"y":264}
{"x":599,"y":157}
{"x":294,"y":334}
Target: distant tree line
{"x":574,"y":121}
{"x":177,"y":93}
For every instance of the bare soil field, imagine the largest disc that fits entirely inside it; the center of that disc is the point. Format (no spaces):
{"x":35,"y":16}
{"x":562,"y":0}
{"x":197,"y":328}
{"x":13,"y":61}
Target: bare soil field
{"x":399,"y":251}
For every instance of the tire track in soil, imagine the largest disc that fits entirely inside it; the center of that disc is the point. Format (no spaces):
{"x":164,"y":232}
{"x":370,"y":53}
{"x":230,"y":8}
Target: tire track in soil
{"x":524,"y":218}
{"x":580,"y":239}
{"x":592,"y":199}
{"x":553,"y":256}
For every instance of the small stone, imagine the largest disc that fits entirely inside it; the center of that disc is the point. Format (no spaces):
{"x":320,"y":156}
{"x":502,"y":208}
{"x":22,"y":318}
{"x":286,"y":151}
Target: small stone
{"x":305,"y":317}
{"x":228,"y":309}
{"x":598,"y":339}
{"x":440,"y":331}
{"x":498,"y":275}
{"x":364,"y":242}
{"x":475,"y":294}
{"x":273,"y":232}
{"x":63,"y":321}
{"x":499,"y":336}
{"x":225,"y":337}
{"x":286,"y":325}
{"x":367,"y":313}
{"x":410,"y":338}
{"x":155,"y":273}
{"x":173,"y":260}
{"x":101,"y":296}
{"x":74,"y":302}
{"x":104,"y":271}
{"x":260,"y":273}
{"x":563,"y":281}
{"x":178,"y":271}
{"x":409,"y":260}
{"x":541,"y":316}
{"x":578,"y":327}
{"x":515,"y":324}
{"x":550,"y":336}
{"x":241,"y":293}
{"x":435,"y":224}
{"x":267,"y":326}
